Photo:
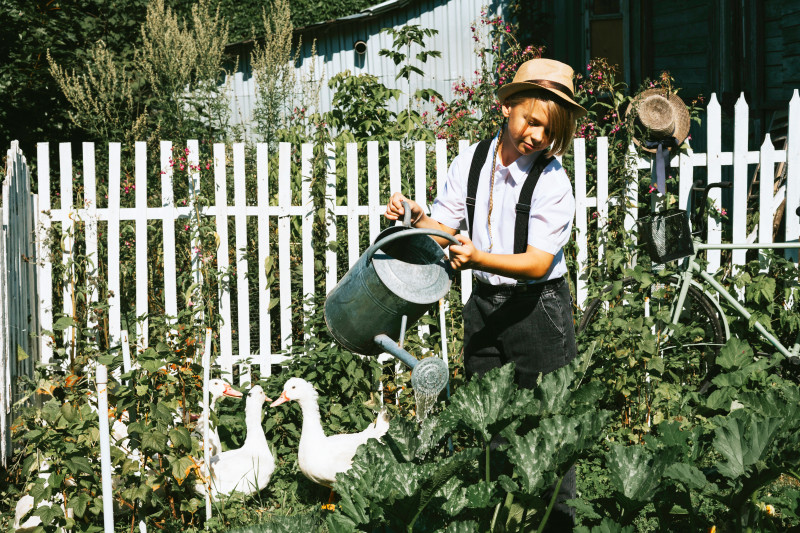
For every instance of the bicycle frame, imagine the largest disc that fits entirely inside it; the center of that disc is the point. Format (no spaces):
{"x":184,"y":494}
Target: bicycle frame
{"x":693,"y":268}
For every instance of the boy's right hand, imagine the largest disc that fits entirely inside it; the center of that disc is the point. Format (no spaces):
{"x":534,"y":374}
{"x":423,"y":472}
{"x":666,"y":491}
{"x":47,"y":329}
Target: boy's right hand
{"x":395,"y":210}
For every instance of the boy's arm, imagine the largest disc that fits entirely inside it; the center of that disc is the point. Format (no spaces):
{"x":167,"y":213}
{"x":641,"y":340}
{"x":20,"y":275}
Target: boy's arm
{"x":395,"y":211}
{"x":532,"y":264}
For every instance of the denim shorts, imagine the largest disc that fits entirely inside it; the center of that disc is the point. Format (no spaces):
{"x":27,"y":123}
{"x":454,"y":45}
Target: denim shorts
{"x":530,"y":325}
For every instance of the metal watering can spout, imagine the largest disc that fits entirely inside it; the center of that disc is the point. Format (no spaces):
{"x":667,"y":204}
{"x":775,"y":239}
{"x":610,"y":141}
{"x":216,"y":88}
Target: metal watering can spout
{"x":428,"y":376}
{"x":391,"y":285}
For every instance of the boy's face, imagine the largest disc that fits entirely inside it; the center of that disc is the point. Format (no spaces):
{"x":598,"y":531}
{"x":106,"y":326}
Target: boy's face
{"x":528,"y":126}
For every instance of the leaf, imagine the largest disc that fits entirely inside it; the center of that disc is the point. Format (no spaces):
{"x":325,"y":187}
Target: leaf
{"x":735,"y":354}
{"x":689,"y":475}
{"x":482,"y":402}
{"x":462,"y":527}
{"x":181,"y":468}
{"x":79,"y":502}
{"x":78,"y":463}
{"x":180,"y":437}
{"x":482,"y":495}
{"x":606,"y":526}
{"x":634,"y":471}
{"x":742,"y":441}
{"x":154,"y":441}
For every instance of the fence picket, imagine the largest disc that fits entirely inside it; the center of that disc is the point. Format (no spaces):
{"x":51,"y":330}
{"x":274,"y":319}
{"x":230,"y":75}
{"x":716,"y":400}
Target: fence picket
{"x":284,"y":258}
{"x":242,"y":266}
{"x":142,"y":301}
{"x":168,"y":223}
{"x":582,"y":204}
{"x":714,"y":166}
{"x":353,"y":251}
{"x":373,"y":197}
{"x":224,"y":358}
{"x":740,"y":181}
{"x":793,"y":176}
{"x":43,"y":256}
{"x":766,"y":184}
{"x":67,"y":228}
{"x":602,"y":190}
{"x":113,"y":230}
{"x":264,"y":327}
{"x":331,"y":276}
{"x":90,"y":205}
{"x":306,"y":211}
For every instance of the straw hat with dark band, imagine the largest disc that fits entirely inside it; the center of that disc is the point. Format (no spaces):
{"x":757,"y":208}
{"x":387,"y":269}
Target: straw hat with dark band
{"x":547,"y":74}
{"x":660,"y":115}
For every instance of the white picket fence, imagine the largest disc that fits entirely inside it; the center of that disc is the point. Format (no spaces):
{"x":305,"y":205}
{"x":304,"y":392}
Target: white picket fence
{"x":240,"y":211}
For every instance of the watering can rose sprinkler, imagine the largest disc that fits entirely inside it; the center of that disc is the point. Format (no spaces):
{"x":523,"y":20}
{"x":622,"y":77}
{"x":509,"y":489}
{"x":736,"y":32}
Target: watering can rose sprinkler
{"x":389,"y":288}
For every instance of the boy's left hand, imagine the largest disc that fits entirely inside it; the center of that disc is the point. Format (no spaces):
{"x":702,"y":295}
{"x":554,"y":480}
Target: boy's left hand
{"x":465,"y":255}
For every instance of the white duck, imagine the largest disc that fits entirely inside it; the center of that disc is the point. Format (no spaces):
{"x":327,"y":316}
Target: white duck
{"x":321,"y":457}
{"x":249,"y":468}
{"x":217,"y":388}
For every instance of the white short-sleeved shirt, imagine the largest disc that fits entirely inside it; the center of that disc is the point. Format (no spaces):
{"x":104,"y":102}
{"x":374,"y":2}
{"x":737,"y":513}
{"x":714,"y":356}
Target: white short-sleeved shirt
{"x":552,"y":209}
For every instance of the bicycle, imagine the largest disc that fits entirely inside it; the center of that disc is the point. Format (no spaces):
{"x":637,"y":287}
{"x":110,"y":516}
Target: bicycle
{"x":680,"y":309}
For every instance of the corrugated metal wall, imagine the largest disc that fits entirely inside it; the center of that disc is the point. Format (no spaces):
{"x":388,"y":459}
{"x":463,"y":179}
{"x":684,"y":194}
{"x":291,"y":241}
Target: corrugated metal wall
{"x":335,"y":52}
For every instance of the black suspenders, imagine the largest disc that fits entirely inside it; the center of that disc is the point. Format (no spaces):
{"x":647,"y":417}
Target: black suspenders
{"x":523,"y":209}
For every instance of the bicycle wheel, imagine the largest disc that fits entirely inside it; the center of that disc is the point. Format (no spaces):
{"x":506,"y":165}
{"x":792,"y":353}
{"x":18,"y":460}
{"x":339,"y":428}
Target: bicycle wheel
{"x":634,"y":315}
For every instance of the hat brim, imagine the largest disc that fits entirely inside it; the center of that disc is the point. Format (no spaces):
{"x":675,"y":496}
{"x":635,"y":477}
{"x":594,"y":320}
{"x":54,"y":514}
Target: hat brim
{"x":681,"y":115}
{"x":507,"y":90}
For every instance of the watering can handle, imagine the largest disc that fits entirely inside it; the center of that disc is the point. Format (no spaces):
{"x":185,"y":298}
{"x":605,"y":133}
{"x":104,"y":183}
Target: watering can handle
{"x":406,"y":214}
{"x":407,"y":233}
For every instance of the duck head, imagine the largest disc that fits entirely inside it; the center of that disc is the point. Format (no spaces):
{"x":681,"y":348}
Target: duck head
{"x":256,"y":396}
{"x":219,"y":388}
{"x":296,"y":389}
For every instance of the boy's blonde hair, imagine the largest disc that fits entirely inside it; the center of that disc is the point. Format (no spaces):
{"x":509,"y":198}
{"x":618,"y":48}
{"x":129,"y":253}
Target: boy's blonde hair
{"x":561,"y":118}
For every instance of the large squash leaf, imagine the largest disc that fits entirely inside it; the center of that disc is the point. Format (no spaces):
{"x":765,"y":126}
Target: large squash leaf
{"x":742,"y":441}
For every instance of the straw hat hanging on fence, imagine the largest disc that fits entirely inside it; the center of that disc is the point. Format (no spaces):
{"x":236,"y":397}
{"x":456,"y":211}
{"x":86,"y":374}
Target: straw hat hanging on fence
{"x":662,"y":120}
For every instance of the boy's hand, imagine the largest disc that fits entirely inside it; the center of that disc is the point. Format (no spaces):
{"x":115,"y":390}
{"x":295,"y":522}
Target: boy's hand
{"x":465,"y":255}
{"x":395,"y":211}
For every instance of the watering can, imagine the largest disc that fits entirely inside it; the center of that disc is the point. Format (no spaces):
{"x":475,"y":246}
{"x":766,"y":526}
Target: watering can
{"x":388,"y":288}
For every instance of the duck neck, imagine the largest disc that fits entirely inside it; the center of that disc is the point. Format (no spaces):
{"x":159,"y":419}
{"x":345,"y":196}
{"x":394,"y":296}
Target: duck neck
{"x":252,"y":420}
{"x":312,"y":423}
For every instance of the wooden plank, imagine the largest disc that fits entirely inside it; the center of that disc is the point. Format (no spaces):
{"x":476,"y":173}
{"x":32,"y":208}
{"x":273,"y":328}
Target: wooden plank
{"x":44,"y":259}
{"x":395,"y":184}
{"x":169,"y":245}
{"x":714,"y":166}
{"x":441,"y":165}
{"x":602,"y":194}
{"x":740,"y":181}
{"x":142,"y":304}
{"x":262,"y":194}
{"x":112,"y":231}
{"x":421,"y":175}
{"x":373,"y":178}
{"x":581,"y":221}
{"x":6,"y":378}
{"x":307,"y":253}
{"x":353,"y":251}
{"x":284,"y":259}
{"x":793,"y":175}
{"x":766,"y":186}
{"x":242,"y":267}
{"x":193,"y":166}
{"x":90,"y":203}
{"x":67,"y":232}
{"x":331,"y":276}
{"x":225,"y":356}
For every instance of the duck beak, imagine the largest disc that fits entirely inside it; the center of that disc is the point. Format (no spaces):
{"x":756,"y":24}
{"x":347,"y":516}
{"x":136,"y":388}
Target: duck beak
{"x":282,"y":399}
{"x":231,"y":392}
